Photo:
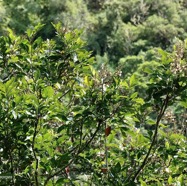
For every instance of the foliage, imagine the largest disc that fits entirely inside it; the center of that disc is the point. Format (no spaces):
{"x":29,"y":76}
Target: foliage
{"x":37,"y":108}
{"x":118,"y":27}
{"x":64,"y":122}
{"x":67,"y":119}
{"x":130,"y":27}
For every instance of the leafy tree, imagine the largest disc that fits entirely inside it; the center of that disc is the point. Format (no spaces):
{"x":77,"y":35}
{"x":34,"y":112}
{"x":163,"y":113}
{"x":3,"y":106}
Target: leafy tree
{"x":64,"y":122}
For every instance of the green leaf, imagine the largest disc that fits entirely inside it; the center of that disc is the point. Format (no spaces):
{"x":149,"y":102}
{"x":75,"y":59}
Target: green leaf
{"x":61,"y":181}
{"x":117,"y":168}
{"x":48,"y":92}
{"x":124,"y":84}
{"x":140,"y":101}
{"x":133,"y":80}
{"x":143,"y":183}
{"x":87,"y":81}
{"x":170,"y":180}
{"x":32,"y":32}
{"x":151,"y":122}
{"x":181,"y":179}
{"x":167,"y":145}
{"x":59,"y":116}
{"x":184,"y":104}
{"x":92,"y":70}
{"x":148,"y":70}
{"x":134,"y":95}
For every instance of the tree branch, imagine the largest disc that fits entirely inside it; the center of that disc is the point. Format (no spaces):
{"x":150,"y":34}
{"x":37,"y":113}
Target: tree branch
{"x":159,"y":117}
{"x":75,"y":157}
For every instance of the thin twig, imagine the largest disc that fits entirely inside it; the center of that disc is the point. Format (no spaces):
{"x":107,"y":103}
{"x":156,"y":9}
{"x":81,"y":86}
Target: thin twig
{"x":12,"y":167}
{"x":34,"y":152}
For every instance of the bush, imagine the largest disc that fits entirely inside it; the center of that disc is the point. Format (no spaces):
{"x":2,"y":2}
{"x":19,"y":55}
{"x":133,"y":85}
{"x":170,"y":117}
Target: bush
{"x":63,"y":122}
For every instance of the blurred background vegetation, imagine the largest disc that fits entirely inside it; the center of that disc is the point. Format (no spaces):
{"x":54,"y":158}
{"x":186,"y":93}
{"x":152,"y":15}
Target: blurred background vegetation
{"x":113,"y":29}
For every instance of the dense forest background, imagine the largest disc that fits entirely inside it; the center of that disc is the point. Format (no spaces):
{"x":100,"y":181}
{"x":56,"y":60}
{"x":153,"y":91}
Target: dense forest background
{"x":93,"y":92}
{"x":113,"y":29}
